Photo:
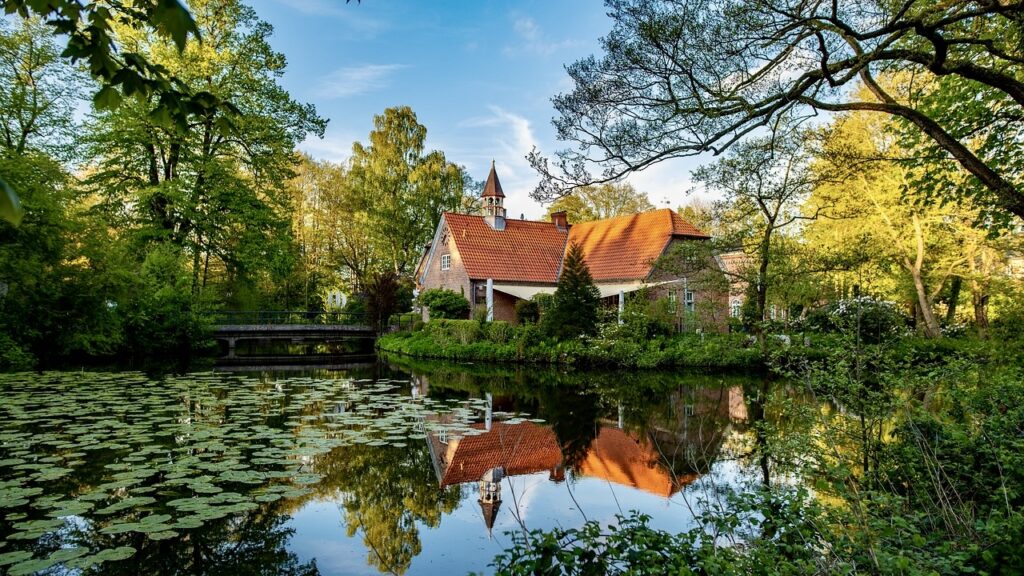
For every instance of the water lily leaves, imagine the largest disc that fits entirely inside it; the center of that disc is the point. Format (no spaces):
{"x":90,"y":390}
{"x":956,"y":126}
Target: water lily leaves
{"x":162,"y":456}
{"x":15,"y":557}
{"x":30,"y":567}
{"x":113,"y":554}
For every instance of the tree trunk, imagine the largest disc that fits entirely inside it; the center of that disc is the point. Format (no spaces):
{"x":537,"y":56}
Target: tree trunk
{"x":930,"y":323}
{"x":954,"y":299}
{"x":980,"y":312}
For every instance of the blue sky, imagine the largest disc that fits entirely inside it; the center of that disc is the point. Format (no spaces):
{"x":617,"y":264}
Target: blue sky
{"x":479,"y":75}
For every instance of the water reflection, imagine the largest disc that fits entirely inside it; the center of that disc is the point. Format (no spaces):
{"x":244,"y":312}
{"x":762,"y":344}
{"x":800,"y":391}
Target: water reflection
{"x":653,"y":433}
{"x":376,"y":472}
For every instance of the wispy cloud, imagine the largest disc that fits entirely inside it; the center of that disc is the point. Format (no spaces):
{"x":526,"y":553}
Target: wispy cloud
{"x":356,"y":80}
{"x":507,"y":138}
{"x":351,"y":13}
{"x":532,"y":39}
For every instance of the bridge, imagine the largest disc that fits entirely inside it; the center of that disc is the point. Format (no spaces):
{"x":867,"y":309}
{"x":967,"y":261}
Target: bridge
{"x":290,"y":326}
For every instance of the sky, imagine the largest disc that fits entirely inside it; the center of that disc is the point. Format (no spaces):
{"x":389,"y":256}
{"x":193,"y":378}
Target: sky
{"x":479,"y":75}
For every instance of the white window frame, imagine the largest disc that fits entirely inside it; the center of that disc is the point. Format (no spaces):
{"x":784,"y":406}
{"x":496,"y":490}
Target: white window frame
{"x":688,"y":300}
{"x":673,"y":299}
{"x":446,"y":261}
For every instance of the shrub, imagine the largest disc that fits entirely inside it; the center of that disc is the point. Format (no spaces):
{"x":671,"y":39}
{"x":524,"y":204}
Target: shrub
{"x":444,"y":304}
{"x":877,"y":320}
{"x":500,"y":331}
{"x":527,"y":311}
{"x":13,"y":358}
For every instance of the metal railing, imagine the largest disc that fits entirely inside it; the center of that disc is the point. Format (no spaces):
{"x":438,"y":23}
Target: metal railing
{"x":287,"y":317}
{"x":404,"y":321}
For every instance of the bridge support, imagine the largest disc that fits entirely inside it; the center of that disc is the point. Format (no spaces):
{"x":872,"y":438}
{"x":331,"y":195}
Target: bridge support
{"x":231,"y":347}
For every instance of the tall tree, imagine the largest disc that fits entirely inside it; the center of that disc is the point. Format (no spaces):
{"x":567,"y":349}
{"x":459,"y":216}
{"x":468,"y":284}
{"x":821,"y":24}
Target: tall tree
{"x":598,"y":202}
{"x":402,"y":189}
{"x":890,"y":231}
{"x":764,"y":182}
{"x":684,"y":77}
{"x":214,"y":188}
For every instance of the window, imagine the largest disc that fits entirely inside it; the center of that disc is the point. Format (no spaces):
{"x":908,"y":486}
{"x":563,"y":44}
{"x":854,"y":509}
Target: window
{"x":673,"y":298}
{"x":736,"y":308}
{"x":446,"y":261}
{"x":688,"y":299}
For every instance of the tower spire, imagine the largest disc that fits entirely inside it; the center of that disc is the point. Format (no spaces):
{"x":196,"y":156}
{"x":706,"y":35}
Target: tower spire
{"x":493,"y":200}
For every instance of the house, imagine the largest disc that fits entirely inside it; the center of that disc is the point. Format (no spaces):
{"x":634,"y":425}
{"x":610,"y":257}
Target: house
{"x":494,"y":261}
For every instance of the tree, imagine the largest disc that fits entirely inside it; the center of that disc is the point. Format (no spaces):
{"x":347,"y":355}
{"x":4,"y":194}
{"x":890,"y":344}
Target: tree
{"x":402,"y":190}
{"x":574,"y":307}
{"x":683,"y":77}
{"x":89,"y":31}
{"x":599,"y":202}
{"x":875,"y":219}
{"x":763,"y":182}
{"x":216,"y":188}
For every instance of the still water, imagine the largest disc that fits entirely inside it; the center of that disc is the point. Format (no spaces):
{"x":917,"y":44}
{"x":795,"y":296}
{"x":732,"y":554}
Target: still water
{"x":403,"y":468}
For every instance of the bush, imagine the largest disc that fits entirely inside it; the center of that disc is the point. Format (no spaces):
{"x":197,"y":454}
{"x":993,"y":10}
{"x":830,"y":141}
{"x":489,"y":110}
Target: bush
{"x":13,"y":358}
{"x":527,"y":311}
{"x":445,"y":304}
{"x":878,"y":320}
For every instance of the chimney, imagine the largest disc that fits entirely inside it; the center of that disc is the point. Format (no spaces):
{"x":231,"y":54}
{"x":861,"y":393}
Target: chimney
{"x":560,"y":220}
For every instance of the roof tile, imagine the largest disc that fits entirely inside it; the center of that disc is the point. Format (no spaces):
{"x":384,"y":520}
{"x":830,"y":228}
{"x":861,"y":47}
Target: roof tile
{"x":620,"y":248}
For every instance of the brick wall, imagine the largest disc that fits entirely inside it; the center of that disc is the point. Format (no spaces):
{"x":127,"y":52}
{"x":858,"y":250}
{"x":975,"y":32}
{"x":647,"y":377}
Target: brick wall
{"x":455,"y":278}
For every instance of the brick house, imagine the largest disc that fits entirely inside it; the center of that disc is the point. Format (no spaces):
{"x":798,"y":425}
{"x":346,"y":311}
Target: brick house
{"x":494,"y":261}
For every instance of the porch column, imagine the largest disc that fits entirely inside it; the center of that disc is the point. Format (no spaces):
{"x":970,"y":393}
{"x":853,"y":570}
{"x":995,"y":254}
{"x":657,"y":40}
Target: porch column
{"x":490,"y":299}
{"x":622,"y":304}
{"x":487,"y":414}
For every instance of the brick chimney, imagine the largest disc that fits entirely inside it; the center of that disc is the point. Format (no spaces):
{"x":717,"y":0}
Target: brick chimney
{"x":560,"y":220}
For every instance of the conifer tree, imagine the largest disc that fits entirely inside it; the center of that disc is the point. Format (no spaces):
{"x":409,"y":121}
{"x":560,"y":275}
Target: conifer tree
{"x":574,"y":309}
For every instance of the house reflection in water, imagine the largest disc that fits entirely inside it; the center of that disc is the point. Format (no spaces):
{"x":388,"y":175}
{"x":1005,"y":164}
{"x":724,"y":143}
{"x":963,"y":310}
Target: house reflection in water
{"x":670,"y":453}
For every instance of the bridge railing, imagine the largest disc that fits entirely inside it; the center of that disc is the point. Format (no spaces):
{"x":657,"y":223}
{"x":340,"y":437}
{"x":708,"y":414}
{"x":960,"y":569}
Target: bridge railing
{"x":297,"y":317}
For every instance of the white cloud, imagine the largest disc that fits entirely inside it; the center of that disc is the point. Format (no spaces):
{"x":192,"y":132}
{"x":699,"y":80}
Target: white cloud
{"x":506,"y":138}
{"x":532,"y":39}
{"x":356,"y":80}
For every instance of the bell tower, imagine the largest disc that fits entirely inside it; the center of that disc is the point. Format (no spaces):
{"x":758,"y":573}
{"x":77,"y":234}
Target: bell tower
{"x":493,"y":199}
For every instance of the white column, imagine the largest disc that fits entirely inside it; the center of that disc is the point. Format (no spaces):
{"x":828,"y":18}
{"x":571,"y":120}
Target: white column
{"x":490,"y":299}
{"x":487,"y":415}
{"x":622,"y":304}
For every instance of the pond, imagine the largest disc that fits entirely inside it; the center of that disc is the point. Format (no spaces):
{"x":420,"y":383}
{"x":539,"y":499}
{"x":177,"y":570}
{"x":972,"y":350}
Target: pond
{"x":418,"y":468}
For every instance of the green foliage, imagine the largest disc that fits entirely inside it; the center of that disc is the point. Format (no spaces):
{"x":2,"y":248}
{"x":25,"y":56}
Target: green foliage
{"x":598,"y":202}
{"x":527,"y":311}
{"x":573,"y":311}
{"x":445,"y":304}
{"x":876,"y":320}
{"x":12,"y":357}
{"x":401,"y":189}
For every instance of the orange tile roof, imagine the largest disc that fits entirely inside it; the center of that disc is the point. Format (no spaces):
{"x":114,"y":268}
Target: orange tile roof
{"x":620,"y":248}
{"x":619,"y":457}
{"x":525,"y":251}
{"x":625,"y":247}
{"x":523,"y":448}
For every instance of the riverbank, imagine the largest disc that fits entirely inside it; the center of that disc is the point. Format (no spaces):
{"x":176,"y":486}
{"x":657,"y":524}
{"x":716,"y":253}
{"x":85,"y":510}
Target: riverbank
{"x":472,"y":341}
{"x":501,"y":342}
